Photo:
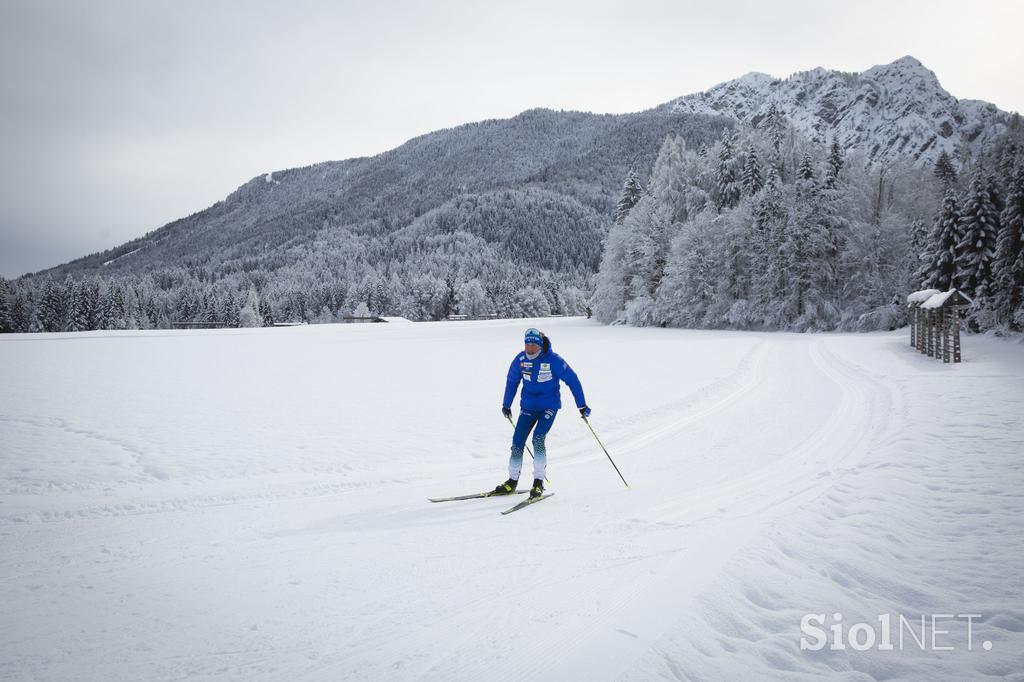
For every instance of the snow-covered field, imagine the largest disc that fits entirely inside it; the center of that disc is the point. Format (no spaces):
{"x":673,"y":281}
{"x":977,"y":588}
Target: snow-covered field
{"x":251,"y":505}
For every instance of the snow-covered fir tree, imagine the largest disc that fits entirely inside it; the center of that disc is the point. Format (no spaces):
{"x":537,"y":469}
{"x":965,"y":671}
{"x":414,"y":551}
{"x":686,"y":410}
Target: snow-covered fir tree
{"x":945,"y":171}
{"x":612,"y":283}
{"x":1009,"y":257}
{"x":5,"y":307}
{"x":671,"y":177}
{"x":727,"y":180}
{"x":835,"y":165}
{"x":249,"y":315}
{"x":836,"y":247}
{"x":769,"y":270}
{"x":774,"y":127}
{"x":631,"y":193}
{"x":53,"y":307}
{"x":947,"y":232}
{"x":979,"y":224}
{"x":471,"y":299}
{"x":752,"y":179}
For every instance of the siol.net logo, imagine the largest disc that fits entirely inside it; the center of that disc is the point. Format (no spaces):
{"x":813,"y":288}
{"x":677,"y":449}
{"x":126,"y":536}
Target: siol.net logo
{"x":934,"y":632}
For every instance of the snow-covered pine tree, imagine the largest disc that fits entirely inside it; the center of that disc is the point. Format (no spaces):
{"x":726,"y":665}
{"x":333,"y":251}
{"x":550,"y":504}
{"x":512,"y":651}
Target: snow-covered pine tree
{"x":248,"y":315}
{"x":1009,"y":154}
{"x":1009,"y":259}
{"x":650,"y":226}
{"x":979,"y":223}
{"x":94,"y":305}
{"x":769,"y":279}
{"x":668,"y":177}
{"x":108,"y":304}
{"x":810,"y":255}
{"x":631,"y":193}
{"x":21,"y":313}
{"x":381,"y":297}
{"x":752,"y":180}
{"x":727,"y":178}
{"x":52,"y":308}
{"x":532,"y":302}
{"x":613,"y":277}
{"x":79,"y":318}
{"x":920,"y":255}
{"x":995,"y":189}
{"x":131,"y":308}
{"x":266,"y":313}
{"x":806,"y":170}
{"x":731,"y":305}
{"x":774,"y":126}
{"x":945,"y":171}
{"x":835,"y":165}
{"x":471,"y":299}
{"x":5,"y":307}
{"x":947,"y":232}
{"x":688,"y":288}
{"x":832,"y":229}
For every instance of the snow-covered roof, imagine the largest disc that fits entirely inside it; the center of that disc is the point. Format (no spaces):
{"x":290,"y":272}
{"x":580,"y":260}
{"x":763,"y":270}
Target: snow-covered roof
{"x":938,"y":300}
{"x":395,"y":319}
{"x":921,"y":296}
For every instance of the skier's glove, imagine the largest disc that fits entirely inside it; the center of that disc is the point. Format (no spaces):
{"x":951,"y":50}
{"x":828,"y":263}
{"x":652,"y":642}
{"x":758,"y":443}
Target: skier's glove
{"x":507,"y":412}
{"x":584,"y":411}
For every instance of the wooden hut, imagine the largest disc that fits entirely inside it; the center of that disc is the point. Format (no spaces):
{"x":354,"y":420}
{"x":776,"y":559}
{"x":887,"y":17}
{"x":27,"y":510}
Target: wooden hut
{"x":935,"y":322}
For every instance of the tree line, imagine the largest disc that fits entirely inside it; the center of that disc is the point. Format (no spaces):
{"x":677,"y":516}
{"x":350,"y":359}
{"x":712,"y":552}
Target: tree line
{"x":768,"y":230}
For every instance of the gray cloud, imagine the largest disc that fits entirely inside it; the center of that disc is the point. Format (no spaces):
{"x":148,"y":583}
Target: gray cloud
{"x":117,"y":117}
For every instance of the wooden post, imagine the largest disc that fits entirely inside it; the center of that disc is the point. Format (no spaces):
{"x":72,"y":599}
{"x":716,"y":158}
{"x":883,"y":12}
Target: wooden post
{"x":913,"y":327}
{"x":923,"y":332}
{"x":933,"y":333}
{"x":947,"y":329}
{"x":928,"y":333}
{"x":956,"y":334}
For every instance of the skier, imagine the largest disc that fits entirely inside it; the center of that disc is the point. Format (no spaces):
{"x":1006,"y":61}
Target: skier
{"x":540,"y":368}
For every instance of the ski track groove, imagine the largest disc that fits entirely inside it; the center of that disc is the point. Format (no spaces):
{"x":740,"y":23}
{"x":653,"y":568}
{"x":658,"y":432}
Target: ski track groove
{"x":635,"y":546}
{"x":629,"y":435}
{"x":862,"y":397}
{"x":725,"y":391}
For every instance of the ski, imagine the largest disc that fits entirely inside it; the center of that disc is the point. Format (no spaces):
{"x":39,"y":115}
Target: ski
{"x":526,"y":503}
{"x":474,"y":496}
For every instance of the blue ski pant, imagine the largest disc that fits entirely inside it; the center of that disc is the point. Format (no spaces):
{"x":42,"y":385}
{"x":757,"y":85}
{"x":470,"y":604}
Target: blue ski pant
{"x":540,"y":422}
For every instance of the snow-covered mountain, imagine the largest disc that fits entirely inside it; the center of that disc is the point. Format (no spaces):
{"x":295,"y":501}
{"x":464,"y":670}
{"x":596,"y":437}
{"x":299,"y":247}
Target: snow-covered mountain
{"x":490,"y":192}
{"x":889,"y":112}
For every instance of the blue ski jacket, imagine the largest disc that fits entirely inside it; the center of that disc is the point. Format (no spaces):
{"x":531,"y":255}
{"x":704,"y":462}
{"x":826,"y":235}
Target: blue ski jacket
{"x":540,"y":378}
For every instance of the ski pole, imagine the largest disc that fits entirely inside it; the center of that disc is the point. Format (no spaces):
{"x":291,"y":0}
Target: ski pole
{"x":513,"y":428}
{"x":605,"y":450}
{"x":524,"y":445}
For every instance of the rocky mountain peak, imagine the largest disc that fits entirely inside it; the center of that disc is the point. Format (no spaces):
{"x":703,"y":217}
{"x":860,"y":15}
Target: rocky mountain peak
{"x":888,"y":112}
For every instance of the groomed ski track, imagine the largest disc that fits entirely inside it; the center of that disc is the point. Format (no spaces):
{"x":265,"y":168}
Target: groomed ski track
{"x":772,"y":475}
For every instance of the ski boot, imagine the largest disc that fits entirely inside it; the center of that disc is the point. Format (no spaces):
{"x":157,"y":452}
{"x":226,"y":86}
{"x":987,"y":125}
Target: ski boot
{"x":506,"y":488}
{"x":538,"y":488}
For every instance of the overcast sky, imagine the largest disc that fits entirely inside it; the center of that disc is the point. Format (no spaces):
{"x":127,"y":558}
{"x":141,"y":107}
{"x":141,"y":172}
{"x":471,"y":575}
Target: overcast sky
{"x":118,"y":117}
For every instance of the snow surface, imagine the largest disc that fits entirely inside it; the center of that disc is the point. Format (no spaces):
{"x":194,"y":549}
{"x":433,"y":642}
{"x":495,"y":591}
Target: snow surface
{"x":123,"y":255}
{"x":251,"y":505}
